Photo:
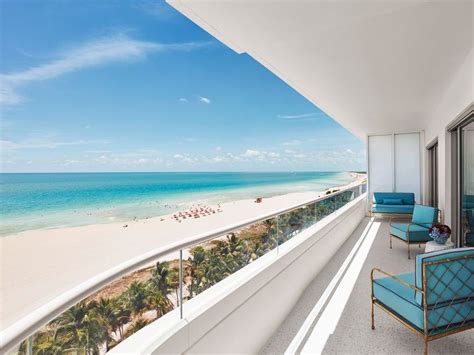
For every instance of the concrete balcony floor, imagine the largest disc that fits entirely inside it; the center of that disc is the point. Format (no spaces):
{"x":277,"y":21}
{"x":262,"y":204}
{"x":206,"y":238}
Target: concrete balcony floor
{"x":343,"y":324}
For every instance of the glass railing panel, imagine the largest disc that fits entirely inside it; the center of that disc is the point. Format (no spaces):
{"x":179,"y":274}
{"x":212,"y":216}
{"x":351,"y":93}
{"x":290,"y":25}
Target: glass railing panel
{"x":101,"y":321}
{"x":294,"y":222}
{"x":210,"y":262}
{"x":129,"y":303}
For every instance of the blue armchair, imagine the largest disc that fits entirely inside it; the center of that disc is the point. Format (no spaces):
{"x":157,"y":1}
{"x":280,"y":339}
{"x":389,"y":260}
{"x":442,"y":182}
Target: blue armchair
{"x":416,"y":232}
{"x":434,"y":301}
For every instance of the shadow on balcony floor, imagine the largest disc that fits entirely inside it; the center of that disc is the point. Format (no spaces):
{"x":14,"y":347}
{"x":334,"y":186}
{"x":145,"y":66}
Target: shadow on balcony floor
{"x":352,"y":332}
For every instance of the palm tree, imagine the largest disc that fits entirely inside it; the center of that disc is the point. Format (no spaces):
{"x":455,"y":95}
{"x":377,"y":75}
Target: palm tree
{"x":174,"y":283}
{"x":158,"y":302}
{"x":80,"y":328}
{"x":45,"y":342}
{"x":162,"y":282}
{"x":113,"y":316}
{"x":136,"y":297}
{"x":139,"y":324}
{"x":193,"y":270}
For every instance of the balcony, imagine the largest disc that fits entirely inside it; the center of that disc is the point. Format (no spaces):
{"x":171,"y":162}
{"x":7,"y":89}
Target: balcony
{"x":308,"y":291}
{"x":342,"y":323}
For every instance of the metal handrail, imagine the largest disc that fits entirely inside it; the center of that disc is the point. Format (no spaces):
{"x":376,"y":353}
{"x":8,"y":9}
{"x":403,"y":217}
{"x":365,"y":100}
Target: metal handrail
{"x":29,"y":324}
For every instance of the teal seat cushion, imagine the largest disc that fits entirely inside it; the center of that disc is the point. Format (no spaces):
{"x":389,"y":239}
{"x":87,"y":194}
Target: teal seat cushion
{"x":425,"y":215}
{"x":402,"y":300}
{"x":399,"y":298}
{"x":417,"y":233}
{"x":399,"y":209}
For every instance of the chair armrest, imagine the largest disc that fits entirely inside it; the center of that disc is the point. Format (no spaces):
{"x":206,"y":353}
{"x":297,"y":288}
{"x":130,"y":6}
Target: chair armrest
{"x":396,"y":278}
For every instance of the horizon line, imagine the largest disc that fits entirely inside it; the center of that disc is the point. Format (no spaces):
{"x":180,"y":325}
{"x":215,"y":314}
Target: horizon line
{"x":184,"y":172}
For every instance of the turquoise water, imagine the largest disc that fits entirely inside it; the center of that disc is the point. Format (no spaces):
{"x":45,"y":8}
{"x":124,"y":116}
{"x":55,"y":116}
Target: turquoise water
{"x":50,"y":200}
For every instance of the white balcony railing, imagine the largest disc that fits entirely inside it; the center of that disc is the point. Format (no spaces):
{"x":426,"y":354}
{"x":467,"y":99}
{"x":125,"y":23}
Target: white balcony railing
{"x":284,"y":225}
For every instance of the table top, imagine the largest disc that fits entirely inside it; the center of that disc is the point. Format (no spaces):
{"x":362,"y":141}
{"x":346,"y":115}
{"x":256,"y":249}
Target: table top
{"x":433,"y":246}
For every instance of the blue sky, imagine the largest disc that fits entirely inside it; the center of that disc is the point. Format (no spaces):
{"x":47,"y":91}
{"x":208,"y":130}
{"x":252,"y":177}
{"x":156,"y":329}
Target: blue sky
{"x":135,"y":86}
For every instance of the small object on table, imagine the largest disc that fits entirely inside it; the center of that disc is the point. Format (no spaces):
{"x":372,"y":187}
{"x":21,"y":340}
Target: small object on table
{"x":440,"y":233}
{"x":433,"y":246}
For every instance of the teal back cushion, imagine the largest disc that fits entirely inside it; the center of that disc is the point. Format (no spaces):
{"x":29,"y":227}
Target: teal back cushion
{"x":392,"y":201}
{"x":424,"y":215}
{"x":408,"y":198}
{"x":448,"y":280}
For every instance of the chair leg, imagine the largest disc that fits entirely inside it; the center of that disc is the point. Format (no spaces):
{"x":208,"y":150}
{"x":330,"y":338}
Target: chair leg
{"x":408,"y":246}
{"x":419,"y":246}
{"x":390,"y":241}
{"x":372,"y":314}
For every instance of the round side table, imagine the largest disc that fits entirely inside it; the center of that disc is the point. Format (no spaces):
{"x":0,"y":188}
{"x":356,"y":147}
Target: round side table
{"x":433,"y":246}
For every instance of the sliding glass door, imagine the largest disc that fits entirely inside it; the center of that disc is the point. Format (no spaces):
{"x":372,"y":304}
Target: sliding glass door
{"x":466,"y":182}
{"x":433,"y":174}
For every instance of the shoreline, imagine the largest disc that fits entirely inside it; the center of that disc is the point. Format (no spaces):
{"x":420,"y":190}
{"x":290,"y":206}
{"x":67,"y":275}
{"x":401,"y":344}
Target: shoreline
{"x":30,"y":258}
{"x":153,"y":209}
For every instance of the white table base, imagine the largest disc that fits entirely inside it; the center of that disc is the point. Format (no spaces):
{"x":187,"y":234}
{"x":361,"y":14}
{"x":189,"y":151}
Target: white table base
{"x":433,"y":246}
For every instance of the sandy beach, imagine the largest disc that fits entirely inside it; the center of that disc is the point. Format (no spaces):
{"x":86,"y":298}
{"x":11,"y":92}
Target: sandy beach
{"x":39,"y":265}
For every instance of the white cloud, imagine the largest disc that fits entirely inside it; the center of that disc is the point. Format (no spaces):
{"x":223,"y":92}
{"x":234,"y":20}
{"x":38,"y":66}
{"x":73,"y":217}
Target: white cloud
{"x":7,"y":95}
{"x":184,"y":157}
{"x":298,"y":117}
{"x":35,"y":144}
{"x":251,"y":153}
{"x":157,"y":9}
{"x":273,"y":154}
{"x":233,"y":157}
{"x":292,"y":142}
{"x":183,"y":99}
{"x":204,"y":100}
{"x":91,"y":54}
{"x":97,"y":151}
{"x":300,"y":156}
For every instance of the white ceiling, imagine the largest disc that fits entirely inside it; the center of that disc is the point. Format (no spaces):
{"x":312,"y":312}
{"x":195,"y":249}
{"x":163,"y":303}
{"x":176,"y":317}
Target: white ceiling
{"x":373,"y":66}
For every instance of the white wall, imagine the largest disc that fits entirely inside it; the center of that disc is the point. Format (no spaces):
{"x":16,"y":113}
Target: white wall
{"x":240,"y":313}
{"x":459,"y":94}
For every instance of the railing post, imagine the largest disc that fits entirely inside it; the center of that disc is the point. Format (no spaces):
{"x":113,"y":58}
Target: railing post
{"x":29,"y":345}
{"x":181,"y":281}
{"x":277,"y":233}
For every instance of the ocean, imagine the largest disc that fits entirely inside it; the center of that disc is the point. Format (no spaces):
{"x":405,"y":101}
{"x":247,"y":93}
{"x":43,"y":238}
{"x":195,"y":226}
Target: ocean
{"x":52,"y":200}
